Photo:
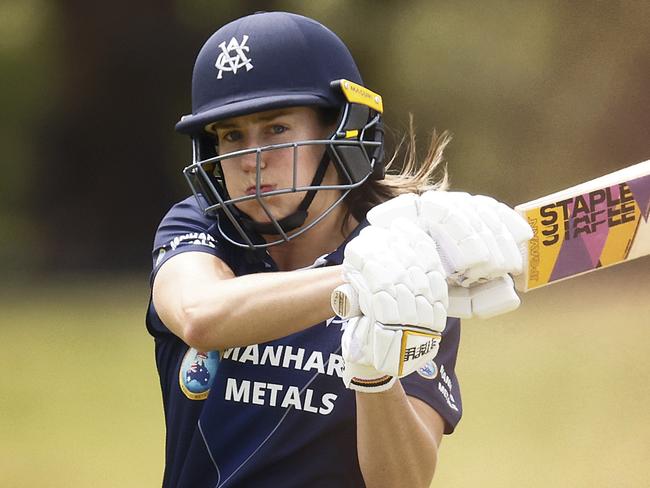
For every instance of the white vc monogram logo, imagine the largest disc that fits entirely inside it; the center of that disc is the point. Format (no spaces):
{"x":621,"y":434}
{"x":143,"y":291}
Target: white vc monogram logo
{"x":233,"y":57}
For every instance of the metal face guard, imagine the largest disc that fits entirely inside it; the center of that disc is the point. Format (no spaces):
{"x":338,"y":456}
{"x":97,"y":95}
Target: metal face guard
{"x":352,"y":156}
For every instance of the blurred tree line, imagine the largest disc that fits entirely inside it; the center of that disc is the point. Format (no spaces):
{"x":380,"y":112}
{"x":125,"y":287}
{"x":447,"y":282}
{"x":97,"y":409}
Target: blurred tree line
{"x":539,"y":95}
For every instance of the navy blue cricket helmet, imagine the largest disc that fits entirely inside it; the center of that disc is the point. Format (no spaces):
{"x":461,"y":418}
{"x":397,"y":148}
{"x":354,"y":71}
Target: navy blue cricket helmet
{"x":272,"y":60}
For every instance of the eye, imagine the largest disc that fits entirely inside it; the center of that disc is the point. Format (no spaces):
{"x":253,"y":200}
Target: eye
{"x":231,"y":136}
{"x":278,"y":129}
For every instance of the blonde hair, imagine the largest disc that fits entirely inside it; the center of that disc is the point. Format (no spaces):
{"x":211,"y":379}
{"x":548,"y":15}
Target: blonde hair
{"x":414,"y":176}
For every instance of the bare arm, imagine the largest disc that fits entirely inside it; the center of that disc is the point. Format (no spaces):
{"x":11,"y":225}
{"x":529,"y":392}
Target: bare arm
{"x":397,"y":439}
{"x":199,"y":298}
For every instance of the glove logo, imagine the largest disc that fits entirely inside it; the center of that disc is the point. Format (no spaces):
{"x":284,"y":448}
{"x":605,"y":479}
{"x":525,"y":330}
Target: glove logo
{"x":233,"y":57}
{"x":429,"y":371}
{"x":197,"y":372}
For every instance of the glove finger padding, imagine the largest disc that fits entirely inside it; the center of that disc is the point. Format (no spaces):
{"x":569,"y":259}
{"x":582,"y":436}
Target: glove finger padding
{"x":509,"y":257}
{"x":404,"y":206}
{"x":478,"y":237}
{"x":397,"y":274}
{"x":455,"y":230}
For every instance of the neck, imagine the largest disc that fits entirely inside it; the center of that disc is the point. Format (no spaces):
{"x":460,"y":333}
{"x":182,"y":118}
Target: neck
{"x":321,"y":239}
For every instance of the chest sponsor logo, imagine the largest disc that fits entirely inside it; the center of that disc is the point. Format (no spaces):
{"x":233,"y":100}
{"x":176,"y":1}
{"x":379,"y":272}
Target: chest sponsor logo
{"x":197,"y":373}
{"x":283,"y":395}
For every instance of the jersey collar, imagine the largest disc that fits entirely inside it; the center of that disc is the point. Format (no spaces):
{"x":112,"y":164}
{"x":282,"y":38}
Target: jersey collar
{"x":336,"y":257}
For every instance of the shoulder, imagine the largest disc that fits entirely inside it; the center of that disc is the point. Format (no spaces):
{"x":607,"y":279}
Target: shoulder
{"x":186,"y":228}
{"x":184,"y":216}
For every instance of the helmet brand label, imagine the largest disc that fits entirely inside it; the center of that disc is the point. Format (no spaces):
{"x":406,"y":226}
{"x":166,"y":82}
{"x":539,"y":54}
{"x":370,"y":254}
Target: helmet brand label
{"x":233,"y":57}
{"x":360,"y":94}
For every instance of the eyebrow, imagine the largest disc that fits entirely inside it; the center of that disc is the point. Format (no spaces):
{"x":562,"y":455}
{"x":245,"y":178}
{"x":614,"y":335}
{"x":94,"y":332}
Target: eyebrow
{"x":262,"y":118}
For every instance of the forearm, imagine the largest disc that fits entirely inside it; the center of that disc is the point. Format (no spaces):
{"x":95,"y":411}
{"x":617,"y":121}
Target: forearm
{"x":394,"y":445}
{"x":254,"y":308}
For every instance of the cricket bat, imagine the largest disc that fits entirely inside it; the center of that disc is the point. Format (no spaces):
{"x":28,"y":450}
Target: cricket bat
{"x":590,"y":226}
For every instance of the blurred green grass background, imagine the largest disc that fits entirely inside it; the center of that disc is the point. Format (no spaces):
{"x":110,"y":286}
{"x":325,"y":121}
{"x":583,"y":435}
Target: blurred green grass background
{"x":80,"y":400}
{"x":555,"y":394}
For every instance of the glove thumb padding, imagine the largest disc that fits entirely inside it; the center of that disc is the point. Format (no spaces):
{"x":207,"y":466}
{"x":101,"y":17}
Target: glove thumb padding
{"x":391,"y":350}
{"x":483,"y":300}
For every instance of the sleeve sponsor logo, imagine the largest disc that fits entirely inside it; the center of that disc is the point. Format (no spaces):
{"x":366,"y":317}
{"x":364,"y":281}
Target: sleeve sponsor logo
{"x":193,"y":238}
{"x":445,"y":388}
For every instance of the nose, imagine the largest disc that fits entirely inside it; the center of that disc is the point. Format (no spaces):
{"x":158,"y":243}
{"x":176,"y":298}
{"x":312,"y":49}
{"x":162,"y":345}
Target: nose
{"x":248,"y":162}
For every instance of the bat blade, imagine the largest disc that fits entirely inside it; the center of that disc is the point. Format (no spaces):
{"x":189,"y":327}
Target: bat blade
{"x":599,"y":223}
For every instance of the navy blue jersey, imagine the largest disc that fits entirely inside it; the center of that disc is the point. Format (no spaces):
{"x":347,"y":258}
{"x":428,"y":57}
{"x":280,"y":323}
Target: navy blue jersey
{"x":271,"y":414}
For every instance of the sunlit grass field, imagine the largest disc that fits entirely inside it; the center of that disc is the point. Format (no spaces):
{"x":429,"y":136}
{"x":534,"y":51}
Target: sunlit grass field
{"x":555,"y":394}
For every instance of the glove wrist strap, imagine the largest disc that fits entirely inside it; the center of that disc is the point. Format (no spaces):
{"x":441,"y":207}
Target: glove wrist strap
{"x":357,"y":378}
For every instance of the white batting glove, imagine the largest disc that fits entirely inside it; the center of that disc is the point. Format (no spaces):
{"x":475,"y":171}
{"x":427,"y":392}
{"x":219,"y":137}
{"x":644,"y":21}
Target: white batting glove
{"x":399,"y":279}
{"x":479,"y":239}
{"x":493,"y":231}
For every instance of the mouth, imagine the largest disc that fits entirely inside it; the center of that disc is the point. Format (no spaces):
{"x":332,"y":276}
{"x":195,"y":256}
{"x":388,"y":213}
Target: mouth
{"x":252,"y":190}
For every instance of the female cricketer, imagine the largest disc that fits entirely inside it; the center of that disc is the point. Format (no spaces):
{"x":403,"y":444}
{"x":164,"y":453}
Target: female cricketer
{"x":263,"y":385}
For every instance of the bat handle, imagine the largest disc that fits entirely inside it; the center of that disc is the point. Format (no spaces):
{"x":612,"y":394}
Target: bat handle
{"x":345,"y":301}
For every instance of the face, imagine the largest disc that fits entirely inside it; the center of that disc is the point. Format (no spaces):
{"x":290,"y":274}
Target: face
{"x":276,"y":166}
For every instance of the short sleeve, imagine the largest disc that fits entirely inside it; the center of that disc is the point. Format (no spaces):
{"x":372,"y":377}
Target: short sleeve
{"x":435,"y":383}
{"x":185,"y":228}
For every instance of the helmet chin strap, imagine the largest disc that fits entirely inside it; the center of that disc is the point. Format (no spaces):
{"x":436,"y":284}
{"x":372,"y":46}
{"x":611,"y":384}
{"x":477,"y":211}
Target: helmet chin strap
{"x":297,"y":218}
